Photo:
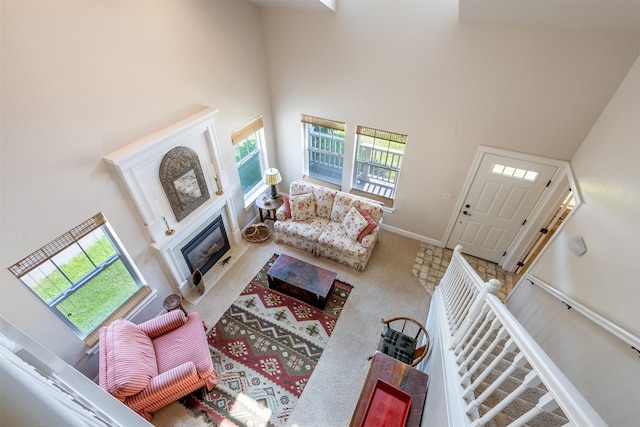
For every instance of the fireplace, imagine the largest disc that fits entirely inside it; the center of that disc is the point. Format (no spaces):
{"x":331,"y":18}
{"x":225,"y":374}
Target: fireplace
{"x":206,"y":248}
{"x":182,"y":241}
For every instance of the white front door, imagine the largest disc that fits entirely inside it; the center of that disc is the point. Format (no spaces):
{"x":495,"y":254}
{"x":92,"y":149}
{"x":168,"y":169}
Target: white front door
{"x":503,"y":193}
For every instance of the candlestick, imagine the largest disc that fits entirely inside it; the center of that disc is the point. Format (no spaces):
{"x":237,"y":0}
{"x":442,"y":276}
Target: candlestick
{"x":169,"y":231}
{"x":218,"y":188}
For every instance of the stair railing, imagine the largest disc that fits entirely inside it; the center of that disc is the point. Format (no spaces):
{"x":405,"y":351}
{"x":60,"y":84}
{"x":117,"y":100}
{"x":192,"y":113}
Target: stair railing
{"x":477,"y":333}
{"x":58,"y":392}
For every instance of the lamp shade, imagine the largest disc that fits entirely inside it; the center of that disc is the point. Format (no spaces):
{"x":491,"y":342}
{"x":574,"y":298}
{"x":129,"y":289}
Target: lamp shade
{"x":272,"y":176}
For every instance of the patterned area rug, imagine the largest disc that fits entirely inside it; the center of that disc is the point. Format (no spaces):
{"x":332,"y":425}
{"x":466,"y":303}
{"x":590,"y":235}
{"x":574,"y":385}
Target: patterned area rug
{"x":265,"y":348}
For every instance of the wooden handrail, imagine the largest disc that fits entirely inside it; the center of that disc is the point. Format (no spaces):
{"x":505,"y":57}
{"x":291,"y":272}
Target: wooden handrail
{"x":606,"y":324}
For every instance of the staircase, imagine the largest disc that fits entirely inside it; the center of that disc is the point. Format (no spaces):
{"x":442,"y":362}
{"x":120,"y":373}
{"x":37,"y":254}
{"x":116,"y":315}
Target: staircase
{"x":495,"y":364}
{"x":494,"y":373}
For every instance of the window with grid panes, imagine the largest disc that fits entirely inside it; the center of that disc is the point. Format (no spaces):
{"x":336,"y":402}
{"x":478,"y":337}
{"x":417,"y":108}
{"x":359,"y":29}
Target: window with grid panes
{"x":377,"y":163}
{"x":324,"y":143}
{"x":85,"y":277}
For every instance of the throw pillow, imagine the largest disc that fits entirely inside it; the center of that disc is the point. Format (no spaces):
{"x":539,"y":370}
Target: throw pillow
{"x":324,"y":201}
{"x":300,"y":187}
{"x":353,"y":223}
{"x":303,"y":207}
{"x":287,"y":206}
{"x":371,"y":225}
{"x":341,"y":205}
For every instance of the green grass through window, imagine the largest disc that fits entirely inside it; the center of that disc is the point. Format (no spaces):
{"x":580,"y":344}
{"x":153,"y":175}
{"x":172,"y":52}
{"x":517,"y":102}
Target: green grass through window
{"x":89,"y":305}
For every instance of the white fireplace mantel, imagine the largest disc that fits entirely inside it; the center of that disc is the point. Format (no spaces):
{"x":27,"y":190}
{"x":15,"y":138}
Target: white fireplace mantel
{"x":138,"y":165}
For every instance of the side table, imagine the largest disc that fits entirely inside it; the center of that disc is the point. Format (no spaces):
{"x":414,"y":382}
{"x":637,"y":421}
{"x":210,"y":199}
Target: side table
{"x":398,"y":374}
{"x":269,"y":208}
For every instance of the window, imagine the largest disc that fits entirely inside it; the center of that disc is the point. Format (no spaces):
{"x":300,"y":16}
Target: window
{"x":85,"y":277}
{"x":512,"y":172}
{"x":378,"y":162}
{"x":324,"y":141}
{"x":248,"y":147}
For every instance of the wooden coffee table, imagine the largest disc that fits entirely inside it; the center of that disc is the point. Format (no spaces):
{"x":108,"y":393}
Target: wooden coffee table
{"x":301,"y":280}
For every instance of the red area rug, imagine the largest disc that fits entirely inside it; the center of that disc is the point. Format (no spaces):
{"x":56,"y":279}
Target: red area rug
{"x":265,"y":348}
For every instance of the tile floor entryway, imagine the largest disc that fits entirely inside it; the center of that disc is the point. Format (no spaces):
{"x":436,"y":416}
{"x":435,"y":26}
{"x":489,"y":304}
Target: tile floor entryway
{"x":431,"y":263}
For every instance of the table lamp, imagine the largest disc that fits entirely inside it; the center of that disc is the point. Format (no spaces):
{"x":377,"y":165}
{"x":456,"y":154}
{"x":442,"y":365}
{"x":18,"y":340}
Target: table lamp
{"x":272,"y":177}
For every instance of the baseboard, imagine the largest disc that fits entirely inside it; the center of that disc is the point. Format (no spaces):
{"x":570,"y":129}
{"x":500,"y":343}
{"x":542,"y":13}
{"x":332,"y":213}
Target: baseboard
{"x":412,"y":235}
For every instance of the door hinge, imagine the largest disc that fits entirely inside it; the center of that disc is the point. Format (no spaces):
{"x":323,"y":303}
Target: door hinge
{"x":548,"y":183}
{"x":524,"y":222}
{"x":520,"y":264}
{"x":544,"y":230}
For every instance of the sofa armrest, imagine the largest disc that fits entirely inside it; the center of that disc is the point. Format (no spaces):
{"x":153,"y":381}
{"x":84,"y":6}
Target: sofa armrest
{"x":162,"y":324}
{"x":102,"y":361}
{"x":181,"y":377}
{"x":281,"y":214}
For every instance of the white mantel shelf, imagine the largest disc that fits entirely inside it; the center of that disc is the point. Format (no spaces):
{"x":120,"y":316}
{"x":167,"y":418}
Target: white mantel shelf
{"x":138,"y":165}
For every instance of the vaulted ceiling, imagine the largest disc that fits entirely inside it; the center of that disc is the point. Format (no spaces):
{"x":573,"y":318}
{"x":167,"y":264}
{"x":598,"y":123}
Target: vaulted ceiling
{"x":620,"y":16}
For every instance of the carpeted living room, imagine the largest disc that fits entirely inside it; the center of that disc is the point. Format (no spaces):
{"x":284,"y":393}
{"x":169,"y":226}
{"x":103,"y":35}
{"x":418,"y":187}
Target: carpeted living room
{"x":387,"y":288}
{"x":453,"y":86}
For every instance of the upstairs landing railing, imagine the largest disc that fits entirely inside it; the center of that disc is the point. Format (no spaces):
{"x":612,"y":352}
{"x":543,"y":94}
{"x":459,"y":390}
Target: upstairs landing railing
{"x":57,"y":392}
{"x":477,"y":333}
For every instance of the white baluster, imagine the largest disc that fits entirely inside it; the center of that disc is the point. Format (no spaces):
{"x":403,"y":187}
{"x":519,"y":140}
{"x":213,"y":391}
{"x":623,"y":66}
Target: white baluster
{"x":467,"y":344}
{"x":496,"y":340}
{"x":450,"y":280}
{"x":545,"y":404}
{"x":509,"y":347}
{"x":518,"y":362}
{"x":463,"y":308}
{"x":492,"y":286}
{"x":471,"y":334}
{"x":459,"y":295}
{"x":459,"y":310}
{"x":454,"y":278}
{"x":531,"y":380}
{"x":450,"y":288}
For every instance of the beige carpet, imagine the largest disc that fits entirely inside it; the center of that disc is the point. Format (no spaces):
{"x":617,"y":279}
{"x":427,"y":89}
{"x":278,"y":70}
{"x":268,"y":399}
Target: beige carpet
{"x":386,"y":288}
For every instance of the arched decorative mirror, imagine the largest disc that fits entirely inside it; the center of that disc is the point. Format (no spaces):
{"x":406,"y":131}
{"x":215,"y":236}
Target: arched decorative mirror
{"x":183,"y":181}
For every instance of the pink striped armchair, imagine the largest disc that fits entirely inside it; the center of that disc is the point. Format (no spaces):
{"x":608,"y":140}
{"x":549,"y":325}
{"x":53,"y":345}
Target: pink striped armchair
{"x":150,"y":365}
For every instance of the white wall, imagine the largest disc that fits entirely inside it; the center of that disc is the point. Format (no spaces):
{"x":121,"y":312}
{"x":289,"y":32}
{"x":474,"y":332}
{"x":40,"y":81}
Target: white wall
{"x":410,"y":67}
{"x":605,"y":278}
{"x":82,"y":79}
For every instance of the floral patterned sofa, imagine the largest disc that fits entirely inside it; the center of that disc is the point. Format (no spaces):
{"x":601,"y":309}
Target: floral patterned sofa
{"x":329,"y":223}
